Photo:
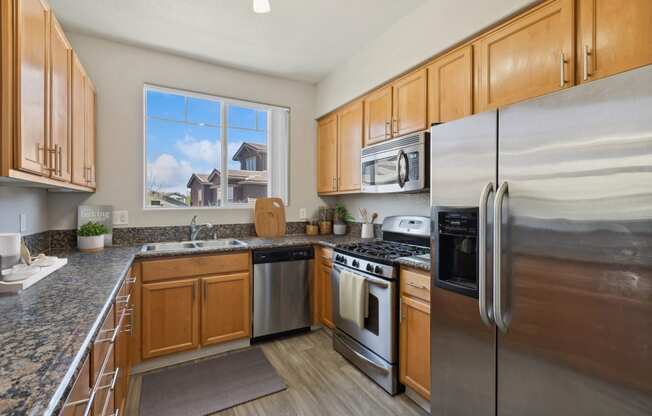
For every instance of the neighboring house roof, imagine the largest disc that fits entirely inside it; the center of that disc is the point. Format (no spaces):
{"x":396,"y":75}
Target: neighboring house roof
{"x":255,"y":147}
{"x":201,"y":177}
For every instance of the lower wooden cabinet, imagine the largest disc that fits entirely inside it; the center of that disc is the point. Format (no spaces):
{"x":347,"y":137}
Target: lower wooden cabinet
{"x":226,"y":308}
{"x":80,"y":392}
{"x":324,"y":265}
{"x":170,"y":317}
{"x":414,"y":329}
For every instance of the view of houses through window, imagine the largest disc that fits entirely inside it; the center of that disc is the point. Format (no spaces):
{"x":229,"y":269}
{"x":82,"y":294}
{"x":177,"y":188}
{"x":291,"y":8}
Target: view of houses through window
{"x":204,"y":151}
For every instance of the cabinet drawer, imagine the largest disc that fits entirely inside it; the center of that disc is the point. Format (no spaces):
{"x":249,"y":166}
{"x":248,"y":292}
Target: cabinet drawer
{"x":415,"y":283}
{"x":103,"y":403}
{"x":103,"y":344}
{"x":194,"y":266}
{"x":80,"y":393}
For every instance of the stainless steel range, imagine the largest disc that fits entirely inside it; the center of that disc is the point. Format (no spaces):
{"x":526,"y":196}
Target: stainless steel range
{"x":374,"y":347}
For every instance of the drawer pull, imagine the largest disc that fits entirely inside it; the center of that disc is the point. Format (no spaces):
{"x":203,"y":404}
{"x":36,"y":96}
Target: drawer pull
{"x":131,"y":280}
{"x":417,"y":286}
{"x":123,"y":299}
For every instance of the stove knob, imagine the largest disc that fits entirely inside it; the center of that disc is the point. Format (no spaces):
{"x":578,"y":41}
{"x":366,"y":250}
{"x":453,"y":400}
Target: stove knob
{"x":378,"y":270}
{"x":370,"y":268}
{"x":355,"y":263}
{"x":343,"y":260}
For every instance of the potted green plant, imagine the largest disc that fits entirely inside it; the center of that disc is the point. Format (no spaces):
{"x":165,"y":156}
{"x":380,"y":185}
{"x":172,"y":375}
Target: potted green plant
{"x":341,"y":217}
{"x":90,"y":237}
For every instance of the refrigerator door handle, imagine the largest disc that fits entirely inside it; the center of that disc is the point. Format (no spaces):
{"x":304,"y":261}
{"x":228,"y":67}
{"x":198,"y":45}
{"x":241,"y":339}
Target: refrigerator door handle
{"x":482,"y":251}
{"x":498,"y":211}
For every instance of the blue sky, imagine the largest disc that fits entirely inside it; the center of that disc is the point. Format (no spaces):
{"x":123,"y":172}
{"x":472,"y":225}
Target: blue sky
{"x":184,"y":137}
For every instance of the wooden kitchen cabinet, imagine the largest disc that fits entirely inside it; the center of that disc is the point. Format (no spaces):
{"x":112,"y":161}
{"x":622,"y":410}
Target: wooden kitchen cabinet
{"x":410,"y":98}
{"x":327,"y":155}
{"x":324,"y":266}
{"x":89,"y":132}
{"x":414,"y":331}
{"x":349,"y":137}
{"x":226,"y":308}
{"x":80,"y":392}
{"x":378,"y":116}
{"x":612,"y":36}
{"x":530,"y":56}
{"x":170,"y":317}
{"x":60,"y":91}
{"x":82,"y":124}
{"x":32,"y":37}
{"x":450,"y":86}
{"x":124,"y":307}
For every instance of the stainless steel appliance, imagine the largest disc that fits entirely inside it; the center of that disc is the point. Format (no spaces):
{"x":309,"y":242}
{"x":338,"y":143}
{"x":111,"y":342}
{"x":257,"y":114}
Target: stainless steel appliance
{"x":374,"y":348}
{"x":552,"y":315}
{"x":397,"y":165}
{"x":281,"y":290}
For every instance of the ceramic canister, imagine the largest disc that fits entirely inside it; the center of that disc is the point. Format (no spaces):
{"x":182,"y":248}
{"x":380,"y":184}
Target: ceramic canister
{"x":9,"y":250}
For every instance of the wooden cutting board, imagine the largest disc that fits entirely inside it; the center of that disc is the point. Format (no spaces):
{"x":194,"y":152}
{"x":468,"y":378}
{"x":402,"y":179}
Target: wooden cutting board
{"x":270,"y":217}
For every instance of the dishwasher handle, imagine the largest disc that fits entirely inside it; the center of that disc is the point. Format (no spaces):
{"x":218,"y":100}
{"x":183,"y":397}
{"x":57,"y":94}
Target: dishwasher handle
{"x":280,"y":254}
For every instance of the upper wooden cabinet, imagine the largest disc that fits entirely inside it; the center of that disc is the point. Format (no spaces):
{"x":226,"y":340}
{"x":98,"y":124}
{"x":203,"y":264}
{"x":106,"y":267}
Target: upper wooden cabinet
{"x":378,"y":116}
{"x":60,"y":110}
{"x":32,"y":38}
{"x":349,"y":136}
{"x":89,"y":132}
{"x":450,"y":86}
{"x":613,"y":36}
{"x":78,"y":120}
{"x":530,"y":56}
{"x":410,"y":103}
{"x":327,"y":155}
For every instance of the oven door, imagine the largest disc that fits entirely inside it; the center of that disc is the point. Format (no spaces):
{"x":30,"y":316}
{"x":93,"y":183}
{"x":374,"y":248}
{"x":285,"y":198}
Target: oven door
{"x":395,"y":170}
{"x":380,"y":327}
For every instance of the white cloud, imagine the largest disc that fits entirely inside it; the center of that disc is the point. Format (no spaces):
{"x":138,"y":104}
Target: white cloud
{"x":166,"y":173}
{"x":204,"y":150}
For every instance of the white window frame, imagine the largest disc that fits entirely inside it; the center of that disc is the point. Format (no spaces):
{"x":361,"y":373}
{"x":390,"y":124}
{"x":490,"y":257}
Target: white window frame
{"x":223,"y":203}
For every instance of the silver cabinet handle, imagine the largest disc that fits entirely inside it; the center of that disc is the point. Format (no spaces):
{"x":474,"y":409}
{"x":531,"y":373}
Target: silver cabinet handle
{"x":498,"y":210}
{"x":60,"y":159}
{"x":388,"y":126}
{"x":562,"y":70}
{"x":586,"y":54}
{"x":416,"y":285}
{"x":482,"y":258}
{"x":131,"y":280}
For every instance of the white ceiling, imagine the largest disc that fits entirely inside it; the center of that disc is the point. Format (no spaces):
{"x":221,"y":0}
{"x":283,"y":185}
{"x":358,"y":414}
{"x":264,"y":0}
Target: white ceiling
{"x":300,"y":39}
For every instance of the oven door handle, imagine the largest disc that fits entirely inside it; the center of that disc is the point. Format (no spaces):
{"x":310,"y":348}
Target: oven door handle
{"x":362,"y":357}
{"x":369,"y":279}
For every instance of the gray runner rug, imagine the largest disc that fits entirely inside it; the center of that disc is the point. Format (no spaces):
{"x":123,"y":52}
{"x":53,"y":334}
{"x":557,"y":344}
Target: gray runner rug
{"x":210,"y":385}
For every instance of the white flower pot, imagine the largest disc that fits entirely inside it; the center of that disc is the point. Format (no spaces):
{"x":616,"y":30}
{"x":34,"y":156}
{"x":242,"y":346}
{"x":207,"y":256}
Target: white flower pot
{"x":90,"y":244}
{"x":339,"y":229}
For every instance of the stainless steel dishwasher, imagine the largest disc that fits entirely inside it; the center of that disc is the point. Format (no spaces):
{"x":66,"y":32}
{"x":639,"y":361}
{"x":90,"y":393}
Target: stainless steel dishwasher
{"x":281,"y":298}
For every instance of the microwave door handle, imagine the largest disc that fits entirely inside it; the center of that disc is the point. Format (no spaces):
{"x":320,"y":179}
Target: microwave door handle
{"x":402,"y":156}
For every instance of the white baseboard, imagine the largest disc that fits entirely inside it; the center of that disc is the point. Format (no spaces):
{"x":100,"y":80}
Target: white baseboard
{"x":182,"y":357}
{"x":416,"y":397}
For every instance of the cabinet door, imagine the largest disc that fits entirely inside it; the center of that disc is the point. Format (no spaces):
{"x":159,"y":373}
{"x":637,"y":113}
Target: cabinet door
{"x":415,"y":345}
{"x":378,"y":116}
{"x":530,"y":56}
{"x":78,"y":121}
{"x":225,"y":311}
{"x":613,"y":36}
{"x":89,"y":132}
{"x":170,"y":317}
{"x":60,"y":89}
{"x":410,"y":103}
{"x":326,"y":294}
{"x":327,"y":155}
{"x":450,"y":86}
{"x":33,"y":35}
{"x":349,"y":144}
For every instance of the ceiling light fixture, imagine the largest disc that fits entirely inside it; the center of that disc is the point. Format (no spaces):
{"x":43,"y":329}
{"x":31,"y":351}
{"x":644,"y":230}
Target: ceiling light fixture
{"x":262,"y":6}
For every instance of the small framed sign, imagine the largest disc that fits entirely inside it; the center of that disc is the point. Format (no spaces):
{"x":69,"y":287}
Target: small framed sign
{"x":102,"y":214}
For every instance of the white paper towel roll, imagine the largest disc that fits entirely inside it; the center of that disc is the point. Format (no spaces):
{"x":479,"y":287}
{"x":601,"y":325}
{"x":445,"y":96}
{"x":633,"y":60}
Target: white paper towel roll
{"x":9,"y":249}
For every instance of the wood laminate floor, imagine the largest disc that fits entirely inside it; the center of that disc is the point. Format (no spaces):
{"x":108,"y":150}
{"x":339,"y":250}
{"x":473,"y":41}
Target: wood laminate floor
{"x":320,"y":383}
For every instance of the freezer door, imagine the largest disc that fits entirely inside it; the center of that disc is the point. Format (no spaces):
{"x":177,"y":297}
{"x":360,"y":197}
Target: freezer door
{"x":576,"y":246}
{"x":462,"y":346}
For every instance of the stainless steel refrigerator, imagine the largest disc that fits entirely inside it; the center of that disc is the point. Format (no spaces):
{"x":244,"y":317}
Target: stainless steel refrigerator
{"x":550,"y":313}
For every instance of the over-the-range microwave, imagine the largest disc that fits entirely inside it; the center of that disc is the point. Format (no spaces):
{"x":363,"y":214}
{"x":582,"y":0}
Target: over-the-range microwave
{"x":397,"y":165}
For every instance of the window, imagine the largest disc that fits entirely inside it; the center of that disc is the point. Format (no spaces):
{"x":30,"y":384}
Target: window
{"x":196,"y":144}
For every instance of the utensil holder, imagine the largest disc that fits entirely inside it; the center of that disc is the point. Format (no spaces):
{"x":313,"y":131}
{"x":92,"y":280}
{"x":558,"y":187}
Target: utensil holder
{"x":367,"y":230}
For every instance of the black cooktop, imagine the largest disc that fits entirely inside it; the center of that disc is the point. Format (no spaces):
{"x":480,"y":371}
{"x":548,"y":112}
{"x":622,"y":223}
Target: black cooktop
{"x":382,"y":250}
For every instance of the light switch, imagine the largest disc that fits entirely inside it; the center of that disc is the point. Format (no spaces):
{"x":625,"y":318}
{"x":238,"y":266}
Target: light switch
{"x":121,"y":217}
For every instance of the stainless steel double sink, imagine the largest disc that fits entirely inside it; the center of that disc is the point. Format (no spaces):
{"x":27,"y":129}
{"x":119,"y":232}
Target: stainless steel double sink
{"x":193,"y":245}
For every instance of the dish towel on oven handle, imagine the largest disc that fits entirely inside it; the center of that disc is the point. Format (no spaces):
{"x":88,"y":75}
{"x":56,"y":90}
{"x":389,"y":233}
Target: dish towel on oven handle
{"x":354,"y":295}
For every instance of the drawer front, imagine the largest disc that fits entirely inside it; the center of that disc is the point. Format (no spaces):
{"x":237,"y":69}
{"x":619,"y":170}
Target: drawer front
{"x":103,"y":344}
{"x":105,"y":386}
{"x":415,"y":283}
{"x":80,"y":393}
{"x":194,"y":266}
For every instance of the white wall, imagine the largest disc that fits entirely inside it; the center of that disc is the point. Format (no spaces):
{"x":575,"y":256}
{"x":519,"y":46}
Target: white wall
{"x":119,"y":72}
{"x":387,"y":204}
{"x":29,"y":201}
{"x":428,"y":30}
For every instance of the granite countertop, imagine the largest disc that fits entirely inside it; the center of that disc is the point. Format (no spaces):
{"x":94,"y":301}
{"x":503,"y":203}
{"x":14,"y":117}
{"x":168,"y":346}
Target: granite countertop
{"x":415,"y":262}
{"x":46,"y":330}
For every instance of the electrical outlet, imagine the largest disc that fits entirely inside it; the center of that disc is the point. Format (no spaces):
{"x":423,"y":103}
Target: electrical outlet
{"x":302,"y":214}
{"x":121,"y":217}
{"x":22,"y":222}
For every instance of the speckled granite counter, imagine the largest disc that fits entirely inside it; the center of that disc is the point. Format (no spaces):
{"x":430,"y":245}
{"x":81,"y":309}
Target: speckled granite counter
{"x":46,"y":330}
{"x":415,"y":263}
